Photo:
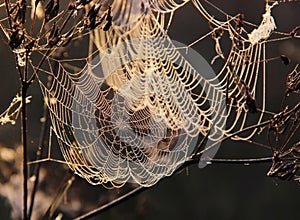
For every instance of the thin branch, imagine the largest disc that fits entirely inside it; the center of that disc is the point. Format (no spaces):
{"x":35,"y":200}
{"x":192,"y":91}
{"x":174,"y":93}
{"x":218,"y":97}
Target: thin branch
{"x":113,"y":203}
{"x":239,"y":161}
{"x":140,"y":189}
{"x":38,"y":157}
{"x":65,"y":184}
{"x":8,"y":14}
{"x":23,"y":91}
{"x":24,"y":88}
{"x":24,"y":143}
{"x":34,"y":18}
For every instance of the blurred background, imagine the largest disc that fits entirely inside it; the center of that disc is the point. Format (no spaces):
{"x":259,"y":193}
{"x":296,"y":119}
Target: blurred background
{"x":219,"y":191}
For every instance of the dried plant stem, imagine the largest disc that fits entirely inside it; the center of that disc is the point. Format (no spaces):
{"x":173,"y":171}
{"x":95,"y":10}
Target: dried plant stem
{"x":24,"y":143}
{"x":140,"y":189}
{"x":113,"y":203}
{"x":38,"y":157}
{"x":64,"y":186}
{"x":23,"y":90}
{"x":8,"y":14}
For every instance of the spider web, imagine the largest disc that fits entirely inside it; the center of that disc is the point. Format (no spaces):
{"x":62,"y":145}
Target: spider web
{"x":136,"y":109}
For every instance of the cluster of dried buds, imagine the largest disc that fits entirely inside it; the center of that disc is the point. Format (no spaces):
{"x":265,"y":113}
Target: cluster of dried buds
{"x":286,"y":164}
{"x":286,"y":160}
{"x":95,"y":19}
{"x":59,"y":26}
{"x":16,"y":20}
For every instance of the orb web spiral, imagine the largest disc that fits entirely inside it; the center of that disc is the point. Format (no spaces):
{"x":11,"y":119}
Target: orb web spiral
{"x":136,"y":109}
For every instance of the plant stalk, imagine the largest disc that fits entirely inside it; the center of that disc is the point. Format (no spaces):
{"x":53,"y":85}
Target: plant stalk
{"x":24,"y":144}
